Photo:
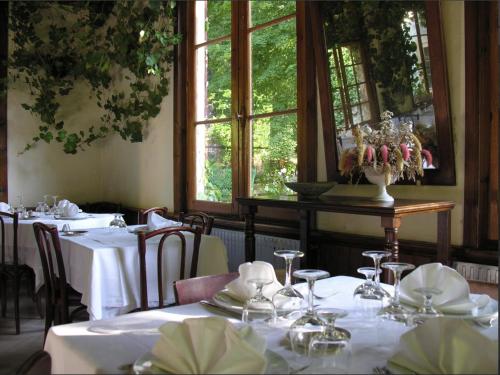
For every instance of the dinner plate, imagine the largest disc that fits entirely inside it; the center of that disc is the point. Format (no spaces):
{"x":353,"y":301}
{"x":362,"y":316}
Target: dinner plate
{"x":227,"y":302}
{"x":135,"y":230}
{"x":80,"y":216}
{"x":276,"y":364}
{"x":72,"y":233}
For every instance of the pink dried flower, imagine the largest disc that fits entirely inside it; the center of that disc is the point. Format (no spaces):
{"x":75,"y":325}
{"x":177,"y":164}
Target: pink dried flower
{"x":405,"y":151}
{"x":369,"y":154}
{"x":428,"y":156}
{"x":384,"y":152}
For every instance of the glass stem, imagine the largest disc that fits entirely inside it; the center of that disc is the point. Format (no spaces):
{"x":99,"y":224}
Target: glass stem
{"x":288,"y":276}
{"x":397,"y":280}
{"x":259,"y":290}
{"x":377,"y":268}
{"x":310,"y":308}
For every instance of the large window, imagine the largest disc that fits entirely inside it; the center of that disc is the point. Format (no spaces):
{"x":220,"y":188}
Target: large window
{"x":243,"y":115}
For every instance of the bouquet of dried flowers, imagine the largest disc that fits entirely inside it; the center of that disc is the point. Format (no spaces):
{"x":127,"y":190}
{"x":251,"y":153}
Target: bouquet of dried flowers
{"x":395,"y":152}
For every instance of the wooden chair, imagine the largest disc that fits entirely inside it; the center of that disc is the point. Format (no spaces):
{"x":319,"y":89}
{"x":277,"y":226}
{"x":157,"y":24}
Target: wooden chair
{"x":12,"y":270}
{"x":142,"y":215}
{"x":198,"y":219}
{"x":59,"y":296}
{"x":39,"y":363}
{"x":203,"y":287}
{"x":480,"y":287}
{"x":165,"y":233}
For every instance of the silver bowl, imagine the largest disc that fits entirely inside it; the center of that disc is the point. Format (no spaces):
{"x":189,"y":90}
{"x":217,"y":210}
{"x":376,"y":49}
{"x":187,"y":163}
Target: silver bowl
{"x":310,"y":190}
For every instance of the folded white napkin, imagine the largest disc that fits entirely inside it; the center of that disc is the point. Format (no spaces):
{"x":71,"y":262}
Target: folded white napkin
{"x":62,"y":203}
{"x":156,"y":221}
{"x":4,"y":207}
{"x":70,"y":210}
{"x":209,"y":345}
{"x":445,"y":346}
{"x":242,"y":290}
{"x":454,"y":298}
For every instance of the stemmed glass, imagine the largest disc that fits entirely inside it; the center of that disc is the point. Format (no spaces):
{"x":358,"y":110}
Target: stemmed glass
{"x":378,"y":292}
{"x":46,"y":207}
{"x":118,"y":222}
{"x":395,"y":311}
{"x":259,"y":309}
{"x":367,"y":290}
{"x":427,"y":310}
{"x":309,"y":324}
{"x":54,"y":208}
{"x":287,"y":299}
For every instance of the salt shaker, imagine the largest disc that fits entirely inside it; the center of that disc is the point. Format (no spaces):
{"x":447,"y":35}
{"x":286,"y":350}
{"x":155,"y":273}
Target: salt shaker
{"x":66,"y":228}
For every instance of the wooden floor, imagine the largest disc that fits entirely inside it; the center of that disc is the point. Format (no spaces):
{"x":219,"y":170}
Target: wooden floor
{"x":15,"y":349}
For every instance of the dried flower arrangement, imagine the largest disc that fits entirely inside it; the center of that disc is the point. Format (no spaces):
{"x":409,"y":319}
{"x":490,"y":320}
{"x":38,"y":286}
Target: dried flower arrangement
{"x":394,"y":152}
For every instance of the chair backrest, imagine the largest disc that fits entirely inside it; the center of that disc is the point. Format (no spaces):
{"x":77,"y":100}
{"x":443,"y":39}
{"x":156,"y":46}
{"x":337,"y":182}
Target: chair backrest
{"x":199,"y":288}
{"x":39,"y":363}
{"x":479,"y":287}
{"x":165,"y":233}
{"x":198,"y":219}
{"x":15,"y":224}
{"x":49,"y":248}
{"x":142,"y":214}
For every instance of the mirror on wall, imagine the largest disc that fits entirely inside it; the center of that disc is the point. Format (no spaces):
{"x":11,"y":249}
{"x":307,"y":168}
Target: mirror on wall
{"x":374,"y":56}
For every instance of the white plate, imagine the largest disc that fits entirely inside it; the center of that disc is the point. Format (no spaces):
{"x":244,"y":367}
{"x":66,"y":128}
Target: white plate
{"x":73,"y":233}
{"x":137,"y":229}
{"x":276,"y":364}
{"x":80,"y":216}
{"x":227,"y":302}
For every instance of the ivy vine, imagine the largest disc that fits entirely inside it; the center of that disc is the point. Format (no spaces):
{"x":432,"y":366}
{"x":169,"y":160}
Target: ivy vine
{"x":123,"y":51}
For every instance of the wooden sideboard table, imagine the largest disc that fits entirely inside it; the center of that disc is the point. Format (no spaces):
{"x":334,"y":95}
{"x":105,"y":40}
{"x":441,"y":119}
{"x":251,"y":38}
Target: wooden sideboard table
{"x":390,"y":215}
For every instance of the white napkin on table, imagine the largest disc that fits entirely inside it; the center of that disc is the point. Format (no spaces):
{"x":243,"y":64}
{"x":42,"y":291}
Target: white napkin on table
{"x":4,"y":207}
{"x":241,"y":290}
{"x":62,"y":203}
{"x":70,"y":210}
{"x":445,"y":346}
{"x":454,"y":298}
{"x":209,"y":345}
{"x":156,"y":221}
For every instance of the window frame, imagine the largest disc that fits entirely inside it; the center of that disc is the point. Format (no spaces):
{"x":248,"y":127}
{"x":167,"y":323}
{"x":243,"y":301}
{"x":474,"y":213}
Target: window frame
{"x":184,"y":118}
{"x":4,"y":40}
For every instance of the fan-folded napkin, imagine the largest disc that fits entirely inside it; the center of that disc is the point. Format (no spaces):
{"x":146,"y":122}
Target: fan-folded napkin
{"x":70,"y":210}
{"x":242,"y":290}
{"x":62,"y":203}
{"x":209,"y":346}
{"x":156,"y":221}
{"x":454,"y":298}
{"x":445,"y":346}
{"x":4,"y":207}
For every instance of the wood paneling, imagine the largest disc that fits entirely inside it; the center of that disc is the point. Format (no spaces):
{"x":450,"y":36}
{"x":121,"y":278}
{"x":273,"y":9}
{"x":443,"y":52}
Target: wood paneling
{"x":4,"y":11}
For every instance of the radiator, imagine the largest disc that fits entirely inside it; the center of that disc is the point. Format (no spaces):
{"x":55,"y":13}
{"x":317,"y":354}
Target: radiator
{"x":264,"y":247}
{"x":477,"y":272}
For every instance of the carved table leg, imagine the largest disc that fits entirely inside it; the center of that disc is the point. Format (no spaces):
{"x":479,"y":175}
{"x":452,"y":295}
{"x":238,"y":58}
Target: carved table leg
{"x":391,"y":226}
{"x":249,"y":214}
{"x":444,"y":237}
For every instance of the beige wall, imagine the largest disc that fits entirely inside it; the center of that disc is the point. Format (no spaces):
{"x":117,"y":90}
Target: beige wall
{"x":419,"y":227}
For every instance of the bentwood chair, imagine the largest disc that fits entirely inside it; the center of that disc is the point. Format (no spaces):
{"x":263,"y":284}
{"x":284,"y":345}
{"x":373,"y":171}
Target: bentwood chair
{"x":142,"y":215}
{"x":12,"y":270}
{"x":59,"y":295}
{"x":39,"y":363}
{"x":198,"y":219}
{"x":165,"y":233}
{"x":199,"y":288}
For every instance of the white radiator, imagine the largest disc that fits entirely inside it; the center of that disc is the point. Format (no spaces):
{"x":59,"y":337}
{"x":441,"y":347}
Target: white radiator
{"x":477,"y":272}
{"x":264,"y":247}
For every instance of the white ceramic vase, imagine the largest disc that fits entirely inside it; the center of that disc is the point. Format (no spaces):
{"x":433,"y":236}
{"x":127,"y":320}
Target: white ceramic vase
{"x":377,"y":177}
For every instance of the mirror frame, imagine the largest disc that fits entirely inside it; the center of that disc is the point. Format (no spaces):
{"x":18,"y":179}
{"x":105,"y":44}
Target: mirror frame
{"x":445,"y":175}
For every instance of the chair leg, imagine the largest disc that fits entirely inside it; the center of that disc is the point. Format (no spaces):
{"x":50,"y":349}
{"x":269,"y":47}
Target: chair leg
{"x":4,"y":295}
{"x":38,"y":300}
{"x":16,"y":303}
{"x":49,"y":317}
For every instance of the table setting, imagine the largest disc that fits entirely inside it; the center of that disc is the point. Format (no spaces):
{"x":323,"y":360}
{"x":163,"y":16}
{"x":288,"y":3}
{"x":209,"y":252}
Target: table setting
{"x":326,"y":324}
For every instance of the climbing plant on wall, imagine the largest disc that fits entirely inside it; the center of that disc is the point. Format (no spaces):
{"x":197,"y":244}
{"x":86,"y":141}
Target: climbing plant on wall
{"x":122,"y":50}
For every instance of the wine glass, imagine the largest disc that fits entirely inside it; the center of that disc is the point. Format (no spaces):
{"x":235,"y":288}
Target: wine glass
{"x":378,"y":292}
{"x":20,"y":207}
{"x":367,"y":290}
{"x":46,"y":207}
{"x":308,"y":325}
{"x":118,"y":222}
{"x":333,"y":345}
{"x":54,"y":208}
{"x":427,"y":309}
{"x":259,"y":309}
{"x":287,"y":300}
{"x":395,"y":311}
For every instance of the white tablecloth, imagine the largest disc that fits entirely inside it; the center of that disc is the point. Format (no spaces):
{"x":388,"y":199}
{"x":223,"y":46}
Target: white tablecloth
{"x":112,"y":346}
{"x":103,"y":265}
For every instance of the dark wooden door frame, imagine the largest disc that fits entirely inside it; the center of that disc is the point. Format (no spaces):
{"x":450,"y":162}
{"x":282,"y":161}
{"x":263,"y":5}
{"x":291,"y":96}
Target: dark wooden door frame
{"x":4,"y":39}
{"x":477,"y":122}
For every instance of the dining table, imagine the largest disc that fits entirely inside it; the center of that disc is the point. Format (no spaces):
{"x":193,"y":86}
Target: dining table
{"x":102,"y":263}
{"x":115,"y":345}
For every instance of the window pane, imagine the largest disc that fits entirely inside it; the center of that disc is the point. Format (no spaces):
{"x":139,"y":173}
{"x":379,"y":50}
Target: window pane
{"x":213,"y":162}
{"x":356,"y":114}
{"x":213,"y":20}
{"x":213,"y":81}
{"x":274,"y":154}
{"x":263,"y":11}
{"x":274,"y":68}
{"x":360,"y":73}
